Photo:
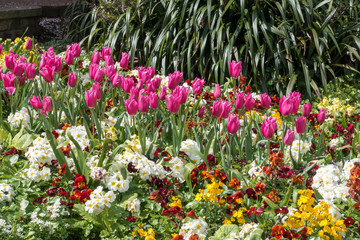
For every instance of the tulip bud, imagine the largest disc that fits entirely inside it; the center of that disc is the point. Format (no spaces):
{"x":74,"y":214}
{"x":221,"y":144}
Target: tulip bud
{"x":217,"y":91}
{"x":321,"y":116}
{"x":99,"y":75}
{"x":240,"y":101}
{"x":289,"y":137}
{"x":28,"y":45}
{"x":90,"y":97}
{"x":173,"y":103}
{"x":127,"y":84}
{"x":47,"y":73}
{"x":201,"y":112}
{"x":269,"y":127}
{"x":249,"y":102}
{"x":143,"y":104}
{"x":96,"y":89}
{"x":134,"y":93}
{"x":233,"y":124}
{"x":235,"y":68}
{"x":306,"y":110}
{"x":19,"y":69}
{"x":72,"y":79}
{"x":110,"y":71}
{"x":300,"y":125}
{"x":47,"y":104}
{"x":197,"y":85}
{"x":109,"y":61}
{"x":217,"y":108}
{"x":153,"y":100}
{"x":226,"y":108}
{"x":96,"y":58}
{"x":174,"y":79}
{"x":35,"y":102}
{"x":116,"y":80}
{"x":124,"y":60}
{"x":69,"y":57}
{"x":30,"y":70}
{"x":106,"y":51}
{"x":57,"y":64}
{"x":265,"y":100}
{"x":131,"y":106}
{"x":162,"y":95}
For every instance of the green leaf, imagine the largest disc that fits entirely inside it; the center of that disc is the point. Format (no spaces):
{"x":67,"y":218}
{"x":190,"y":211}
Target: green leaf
{"x":187,"y":174}
{"x":271,"y":203}
{"x":224,"y":231}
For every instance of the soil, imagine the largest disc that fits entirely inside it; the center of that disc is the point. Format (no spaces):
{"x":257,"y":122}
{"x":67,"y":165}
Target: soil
{"x":18,"y":3}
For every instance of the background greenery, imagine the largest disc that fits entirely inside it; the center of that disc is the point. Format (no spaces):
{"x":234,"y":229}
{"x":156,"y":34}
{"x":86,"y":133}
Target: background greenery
{"x":284,"y":45}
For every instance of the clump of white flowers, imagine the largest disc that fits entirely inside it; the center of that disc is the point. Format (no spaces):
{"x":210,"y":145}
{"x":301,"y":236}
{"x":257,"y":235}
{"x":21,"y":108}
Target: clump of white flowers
{"x":189,"y":144}
{"x":6,"y":192}
{"x":20,"y":118}
{"x":99,"y":201}
{"x":177,"y":167}
{"x":80,"y":135}
{"x":246,"y":232}
{"x":298,"y":147}
{"x":194,"y":226}
{"x":98,"y":173}
{"x":133,"y":205}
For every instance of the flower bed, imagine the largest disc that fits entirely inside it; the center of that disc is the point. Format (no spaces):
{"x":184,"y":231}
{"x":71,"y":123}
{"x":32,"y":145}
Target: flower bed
{"x":93,"y":149}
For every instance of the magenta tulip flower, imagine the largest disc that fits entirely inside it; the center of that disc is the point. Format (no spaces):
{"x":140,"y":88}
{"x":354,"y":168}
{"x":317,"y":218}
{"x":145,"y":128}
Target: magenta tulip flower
{"x":131,"y":106}
{"x":217,"y":91}
{"x":143,"y":104}
{"x":157,"y":82}
{"x":124,"y":60}
{"x":289,"y":105}
{"x":197,"y":85}
{"x":153,"y":100}
{"x":47,"y":104}
{"x":72,"y":79}
{"x":174,"y":79}
{"x":235,"y":68}
{"x":162,"y":94}
{"x":9,"y":82}
{"x":28,"y":44}
{"x":249,"y":102}
{"x":269,"y":127}
{"x":296,"y":99}
{"x":233,"y":124}
{"x":96,"y":58}
{"x":30,"y":70}
{"x":47,"y":73}
{"x":134,"y":93}
{"x":300,"y":125}
{"x":127,"y":84}
{"x":99,"y":74}
{"x":110,"y":71}
{"x":19,"y":68}
{"x":90,"y":97}
{"x":57,"y":64}
{"x":96,"y":88}
{"x":109,"y":61}
{"x":226,"y":109}
{"x":116,"y":80}
{"x":217,"y":108}
{"x":306,"y":110}
{"x":265,"y":100}
{"x":10,"y":61}
{"x":35,"y":102}
{"x":321,"y":116}
{"x":289,"y":137}
{"x":106,"y":51}
{"x":69,"y":57}
{"x":201,"y":112}
{"x":240,"y":100}
{"x":150,"y":86}
{"x":173,"y":103}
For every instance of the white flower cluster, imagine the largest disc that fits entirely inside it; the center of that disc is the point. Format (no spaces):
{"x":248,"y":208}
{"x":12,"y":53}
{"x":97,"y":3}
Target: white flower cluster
{"x":133,"y":205}
{"x":245,"y":233}
{"x":190,"y":144}
{"x":4,"y":227}
{"x":177,"y":167}
{"x":35,"y":174}
{"x":54,"y":209}
{"x":6,"y":192}
{"x":85,"y":78}
{"x":98,"y":173}
{"x":40,"y":151}
{"x":21,"y":117}
{"x":297,"y":147}
{"x":80,"y":135}
{"x":48,"y":225}
{"x":135,"y":146}
{"x":194,"y":226}
{"x":334,"y":142}
{"x":330,"y":180}
{"x":99,"y":201}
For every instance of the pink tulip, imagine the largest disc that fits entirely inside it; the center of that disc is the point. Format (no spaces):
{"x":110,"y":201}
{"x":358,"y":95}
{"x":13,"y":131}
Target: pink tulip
{"x":217,"y":108}
{"x":9,"y":82}
{"x":99,"y":74}
{"x":269,"y":127}
{"x":96,"y":88}
{"x":116,"y":80}
{"x":69,"y":57}
{"x":47,"y":73}
{"x":235,"y":68}
{"x":173,"y":103}
{"x":92,"y":70}
{"x":106,"y":51}
{"x":182,"y":92}
{"x":300,"y":125}
{"x":134,"y":93}
{"x":72,"y":79}
{"x":19,"y":69}
{"x":124,"y":60}
{"x":226,"y":109}
{"x":306,"y":110}
{"x":109,"y":61}
{"x":131,"y":106}
{"x":30,"y":70}
{"x":127,"y":84}
{"x":143,"y":104}
{"x":249,"y":102}
{"x":150,"y":86}
{"x":21,"y":81}
{"x":110,"y":71}
{"x":289,"y":105}
{"x":57,"y":64}
{"x":233,"y":124}
{"x":156,"y":82}
{"x":240,"y":100}
{"x":321,"y":116}
{"x":201,"y":112}
{"x":35,"y":102}
{"x":47,"y":104}
{"x":10,"y":61}
{"x":296,"y":99}
{"x":22,"y":59}
{"x":145,"y":74}
{"x":28,"y":44}
{"x":289,"y":137}
{"x":153,"y":100}
{"x":76,"y":49}
{"x":174,"y":79}
{"x":265,"y":100}
{"x":197,"y":85}
{"x":90,"y":97}
{"x":96,"y":58}
{"x":162,"y":94}
{"x":1,"y":48}
{"x":217,"y":91}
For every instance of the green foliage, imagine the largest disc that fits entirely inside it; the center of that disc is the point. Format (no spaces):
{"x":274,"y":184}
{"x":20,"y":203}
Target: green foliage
{"x":283,"y":44}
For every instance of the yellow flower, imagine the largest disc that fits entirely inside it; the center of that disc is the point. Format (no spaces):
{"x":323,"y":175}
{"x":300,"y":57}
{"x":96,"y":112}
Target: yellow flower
{"x":176,"y":203}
